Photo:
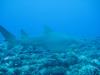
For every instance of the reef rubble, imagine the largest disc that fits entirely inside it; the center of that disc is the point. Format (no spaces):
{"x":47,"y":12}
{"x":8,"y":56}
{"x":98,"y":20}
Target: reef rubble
{"x":48,"y":55}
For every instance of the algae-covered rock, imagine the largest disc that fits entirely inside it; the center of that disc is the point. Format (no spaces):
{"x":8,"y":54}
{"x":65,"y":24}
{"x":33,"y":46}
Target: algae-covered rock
{"x":52,"y":63}
{"x":53,"y":71}
{"x":71,"y":59}
{"x":3,"y":70}
{"x":89,"y":70}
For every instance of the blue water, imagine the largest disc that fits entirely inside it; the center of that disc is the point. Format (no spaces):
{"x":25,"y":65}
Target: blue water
{"x":62,"y":44}
{"x":72,"y":17}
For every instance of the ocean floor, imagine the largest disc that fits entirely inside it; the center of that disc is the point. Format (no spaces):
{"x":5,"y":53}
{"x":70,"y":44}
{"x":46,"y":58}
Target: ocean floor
{"x":50,"y":56}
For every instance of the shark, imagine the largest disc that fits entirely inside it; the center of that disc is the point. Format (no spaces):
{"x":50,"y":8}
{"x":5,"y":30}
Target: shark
{"x":50,"y":40}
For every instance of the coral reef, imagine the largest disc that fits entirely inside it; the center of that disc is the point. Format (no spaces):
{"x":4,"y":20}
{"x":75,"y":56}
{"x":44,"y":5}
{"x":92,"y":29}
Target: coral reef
{"x":53,"y":55}
{"x":89,"y":70}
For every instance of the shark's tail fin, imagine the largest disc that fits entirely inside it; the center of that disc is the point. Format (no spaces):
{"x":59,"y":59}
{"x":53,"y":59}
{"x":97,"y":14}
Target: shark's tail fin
{"x":9,"y":37}
{"x":6,"y":34}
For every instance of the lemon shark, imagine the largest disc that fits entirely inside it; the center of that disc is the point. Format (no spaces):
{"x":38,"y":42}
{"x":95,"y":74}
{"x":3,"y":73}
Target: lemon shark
{"x":49,"y":40}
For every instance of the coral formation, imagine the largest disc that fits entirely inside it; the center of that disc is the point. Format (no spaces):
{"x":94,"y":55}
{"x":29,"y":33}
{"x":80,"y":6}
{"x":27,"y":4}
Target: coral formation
{"x":89,"y":70}
{"x":53,"y":55}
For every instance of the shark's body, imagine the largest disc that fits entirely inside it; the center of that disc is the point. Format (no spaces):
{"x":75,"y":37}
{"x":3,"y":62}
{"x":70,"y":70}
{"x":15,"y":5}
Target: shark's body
{"x":50,"y":40}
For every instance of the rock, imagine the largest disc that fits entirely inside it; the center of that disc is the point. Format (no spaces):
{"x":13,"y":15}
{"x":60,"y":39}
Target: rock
{"x":71,"y":59}
{"x":53,"y":71}
{"x":89,"y":70}
{"x":3,"y":70}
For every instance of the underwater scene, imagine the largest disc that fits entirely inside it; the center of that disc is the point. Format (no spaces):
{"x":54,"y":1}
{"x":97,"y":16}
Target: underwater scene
{"x":49,"y":37}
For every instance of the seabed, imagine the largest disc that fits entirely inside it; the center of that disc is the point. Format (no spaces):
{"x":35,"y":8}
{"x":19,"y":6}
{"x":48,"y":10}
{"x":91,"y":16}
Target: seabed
{"x":48,"y":55}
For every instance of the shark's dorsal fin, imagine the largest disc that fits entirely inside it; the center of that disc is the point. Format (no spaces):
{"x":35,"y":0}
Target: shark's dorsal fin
{"x":24,"y":38}
{"x":7,"y":35}
{"x":47,"y":30}
{"x":24,"y":34}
